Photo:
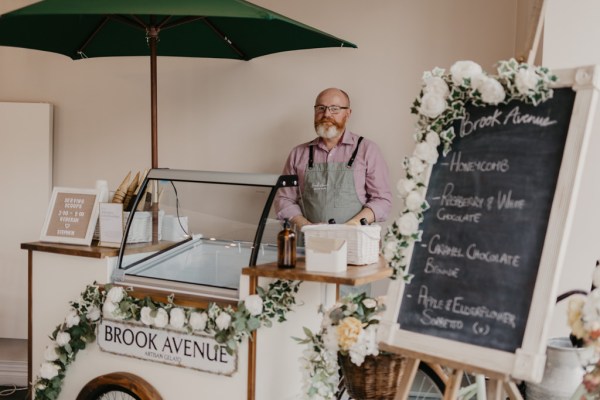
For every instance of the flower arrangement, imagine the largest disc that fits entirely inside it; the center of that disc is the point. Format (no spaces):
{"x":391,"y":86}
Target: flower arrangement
{"x":442,"y":100}
{"x":583,"y":314}
{"x":228,"y":325}
{"x":350,"y":328}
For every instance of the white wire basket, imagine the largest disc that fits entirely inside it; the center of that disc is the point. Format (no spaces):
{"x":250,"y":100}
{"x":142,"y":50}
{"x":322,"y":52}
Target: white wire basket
{"x":362,"y":240}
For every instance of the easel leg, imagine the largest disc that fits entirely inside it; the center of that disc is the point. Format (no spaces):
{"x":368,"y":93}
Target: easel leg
{"x":453,"y":385}
{"x":494,"y":389}
{"x":513,"y":391}
{"x":407,"y":378}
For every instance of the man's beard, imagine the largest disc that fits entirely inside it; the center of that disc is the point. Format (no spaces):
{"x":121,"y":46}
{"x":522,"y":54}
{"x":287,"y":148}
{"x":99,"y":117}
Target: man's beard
{"x":328,"y":130}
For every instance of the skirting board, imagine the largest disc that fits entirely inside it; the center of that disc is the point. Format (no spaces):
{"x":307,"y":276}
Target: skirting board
{"x":13,"y":373}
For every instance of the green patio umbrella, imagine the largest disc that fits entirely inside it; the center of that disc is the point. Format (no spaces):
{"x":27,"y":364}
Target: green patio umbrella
{"x":232,"y":29}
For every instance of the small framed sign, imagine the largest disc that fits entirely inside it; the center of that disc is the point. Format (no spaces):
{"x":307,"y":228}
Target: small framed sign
{"x":72,"y":216}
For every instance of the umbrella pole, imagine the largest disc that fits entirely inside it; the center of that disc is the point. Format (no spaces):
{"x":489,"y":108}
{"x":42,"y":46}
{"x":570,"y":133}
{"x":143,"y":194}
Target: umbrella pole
{"x":153,"y":38}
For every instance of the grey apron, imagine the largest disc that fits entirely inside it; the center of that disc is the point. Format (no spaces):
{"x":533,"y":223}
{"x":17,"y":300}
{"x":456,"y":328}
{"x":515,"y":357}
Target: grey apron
{"x":329,"y":190}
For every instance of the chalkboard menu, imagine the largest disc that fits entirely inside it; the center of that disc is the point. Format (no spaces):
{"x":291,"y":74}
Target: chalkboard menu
{"x":490,"y":197}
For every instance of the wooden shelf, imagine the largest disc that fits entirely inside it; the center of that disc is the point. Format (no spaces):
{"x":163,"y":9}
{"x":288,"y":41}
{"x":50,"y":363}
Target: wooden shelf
{"x":354,"y":276}
{"x":93,"y":251}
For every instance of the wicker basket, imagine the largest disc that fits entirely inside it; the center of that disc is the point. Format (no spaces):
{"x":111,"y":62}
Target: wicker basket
{"x":377,"y":377}
{"x":362,"y":241}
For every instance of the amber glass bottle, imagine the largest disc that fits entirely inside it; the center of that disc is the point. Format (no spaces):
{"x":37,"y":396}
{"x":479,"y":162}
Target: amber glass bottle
{"x":286,"y":247}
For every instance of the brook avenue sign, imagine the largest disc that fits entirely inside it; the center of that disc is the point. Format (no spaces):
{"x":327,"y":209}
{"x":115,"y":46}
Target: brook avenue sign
{"x":202,"y":353}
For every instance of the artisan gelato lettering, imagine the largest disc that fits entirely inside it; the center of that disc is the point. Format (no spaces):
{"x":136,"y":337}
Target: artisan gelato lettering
{"x":169,"y":347}
{"x":512,"y":117}
{"x":457,"y":164}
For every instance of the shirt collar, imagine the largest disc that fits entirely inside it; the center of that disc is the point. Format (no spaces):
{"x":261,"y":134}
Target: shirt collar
{"x":347,"y":138}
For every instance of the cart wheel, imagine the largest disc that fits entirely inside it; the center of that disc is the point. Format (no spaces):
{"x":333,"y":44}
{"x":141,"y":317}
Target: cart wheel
{"x":118,"y":386}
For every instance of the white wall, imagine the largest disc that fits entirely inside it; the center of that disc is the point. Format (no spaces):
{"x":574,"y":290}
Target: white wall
{"x":571,"y":31}
{"x":245,"y":116}
{"x":26,"y":165}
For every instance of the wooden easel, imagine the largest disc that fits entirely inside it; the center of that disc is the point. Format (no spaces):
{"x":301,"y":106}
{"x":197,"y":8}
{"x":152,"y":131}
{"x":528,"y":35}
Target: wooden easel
{"x":536,"y":22}
{"x":496,"y":387}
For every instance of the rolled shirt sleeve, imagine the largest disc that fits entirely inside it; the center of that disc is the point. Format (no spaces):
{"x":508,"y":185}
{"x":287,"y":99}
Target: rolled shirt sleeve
{"x":287,"y":199}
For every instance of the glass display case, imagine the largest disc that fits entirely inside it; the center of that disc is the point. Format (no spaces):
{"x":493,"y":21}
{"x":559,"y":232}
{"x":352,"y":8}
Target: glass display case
{"x":194,"y":231}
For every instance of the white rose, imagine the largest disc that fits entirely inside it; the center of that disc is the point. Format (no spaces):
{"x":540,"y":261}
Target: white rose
{"x":414,"y":201}
{"x":415,"y":166}
{"x":432,"y":138}
{"x":109,"y":308}
{"x":432,"y":105}
{"x":177,"y":316}
{"x":162,"y":318}
{"x":369,"y":303}
{"x":223,"y":321}
{"x":63,"y":338}
{"x":478,"y":80}
{"x":436,"y":85}
{"x":491,"y":91}
{"x":330,"y":340}
{"x":426,"y":152}
{"x":198,"y":321}
{"x":146,"y":316}
{"x":93,"y":314}
{"x":49,"y":370}
{"x":389,"y":249}
{"x":254,"y":304}
{"x":72,"y":318}
{"x":51,"y":353}
{"x":526,"y":80}
{"x":405,"y":186}
{"x":462,"y":70}
{"x":408,"y":224}
{"x":116,"y":294}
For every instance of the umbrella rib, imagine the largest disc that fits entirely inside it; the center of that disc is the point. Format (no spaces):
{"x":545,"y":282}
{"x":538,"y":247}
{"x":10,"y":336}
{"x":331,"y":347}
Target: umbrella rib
{"x":226,"y":39}
{"x":181,"y":21}
{"x":87,"y":41}
{"x":133,"y":21}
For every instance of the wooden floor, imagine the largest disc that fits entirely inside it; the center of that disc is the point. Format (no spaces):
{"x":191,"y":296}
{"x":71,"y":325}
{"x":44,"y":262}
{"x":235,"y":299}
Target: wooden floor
{"x":13,"y":362}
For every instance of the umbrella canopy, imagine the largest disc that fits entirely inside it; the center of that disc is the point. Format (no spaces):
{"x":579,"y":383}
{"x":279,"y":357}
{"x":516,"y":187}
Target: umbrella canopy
{"x":232,"y":29}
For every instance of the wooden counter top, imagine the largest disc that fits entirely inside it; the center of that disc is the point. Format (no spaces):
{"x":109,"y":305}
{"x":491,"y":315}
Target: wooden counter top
{"x":354,"y":276}
{"x":92,"y":251}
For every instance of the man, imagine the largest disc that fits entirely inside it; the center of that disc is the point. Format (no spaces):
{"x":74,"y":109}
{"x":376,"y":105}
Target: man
{"x":341,"y":176}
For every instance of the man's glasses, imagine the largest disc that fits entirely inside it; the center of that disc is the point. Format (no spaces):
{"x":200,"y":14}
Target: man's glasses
{"x":332,"y":109}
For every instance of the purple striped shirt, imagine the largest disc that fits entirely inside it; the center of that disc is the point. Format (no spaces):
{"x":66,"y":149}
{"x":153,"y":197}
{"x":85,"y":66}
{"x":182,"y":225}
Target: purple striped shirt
{"x":371,"y":174}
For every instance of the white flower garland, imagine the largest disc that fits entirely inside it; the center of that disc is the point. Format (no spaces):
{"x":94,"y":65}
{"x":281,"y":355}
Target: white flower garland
{"x":442,"y":100}
{"x":228,"y":326}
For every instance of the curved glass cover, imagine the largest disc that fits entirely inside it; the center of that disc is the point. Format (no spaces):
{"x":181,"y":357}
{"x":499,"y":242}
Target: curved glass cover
{"x":194,"y":231}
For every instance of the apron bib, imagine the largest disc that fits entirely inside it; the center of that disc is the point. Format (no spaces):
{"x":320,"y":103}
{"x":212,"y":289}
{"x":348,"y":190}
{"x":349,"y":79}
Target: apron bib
{"x":329,"y":190}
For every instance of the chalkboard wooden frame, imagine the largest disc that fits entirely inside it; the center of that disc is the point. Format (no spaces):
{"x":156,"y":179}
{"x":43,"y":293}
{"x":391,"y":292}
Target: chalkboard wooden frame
{"x":82,"y":234}
{"x":526,"y":362}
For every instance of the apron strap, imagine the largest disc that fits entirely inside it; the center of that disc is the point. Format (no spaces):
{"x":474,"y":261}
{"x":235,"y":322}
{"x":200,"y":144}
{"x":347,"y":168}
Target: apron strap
{"x":351,"y":161}
{"x":311,"y":159}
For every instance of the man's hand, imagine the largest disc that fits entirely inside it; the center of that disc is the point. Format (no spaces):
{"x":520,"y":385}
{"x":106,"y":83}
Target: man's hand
{"x":366,"y":213}
{"x":300,"y":221}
